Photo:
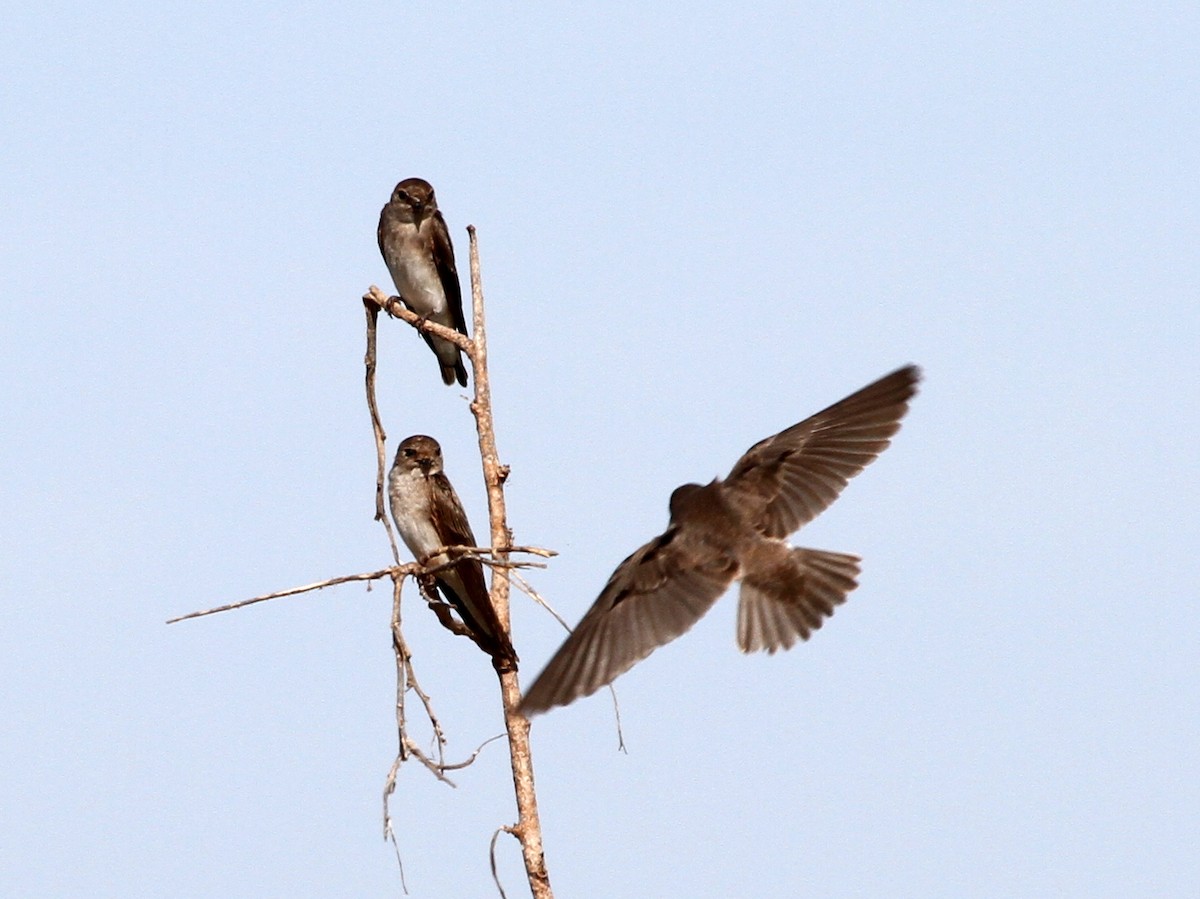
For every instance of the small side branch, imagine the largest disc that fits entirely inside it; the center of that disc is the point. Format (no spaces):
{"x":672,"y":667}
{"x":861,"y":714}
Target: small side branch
{"x":395,"y":307}
{"x":393,"y":571}
{"x":372,"y":311}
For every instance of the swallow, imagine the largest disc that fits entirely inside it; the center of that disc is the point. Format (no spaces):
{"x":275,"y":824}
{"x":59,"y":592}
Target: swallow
{"x":416,"y":248}
{"x":734,"y":530}
{"x":430,"y":517}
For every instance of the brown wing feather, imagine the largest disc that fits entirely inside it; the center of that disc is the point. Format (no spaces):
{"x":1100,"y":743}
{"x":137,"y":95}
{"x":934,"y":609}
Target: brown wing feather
{"x":654,"y":596}
{"x":464,"y":585}
{"x":787,"y":480}
{"x":443,"y":256}
{"x":450,"y":521}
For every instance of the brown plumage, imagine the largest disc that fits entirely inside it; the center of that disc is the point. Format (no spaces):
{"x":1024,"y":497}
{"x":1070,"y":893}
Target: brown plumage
{"x":419,"y":254}
{"x":430,"y":516}
{"x":729,"y":530}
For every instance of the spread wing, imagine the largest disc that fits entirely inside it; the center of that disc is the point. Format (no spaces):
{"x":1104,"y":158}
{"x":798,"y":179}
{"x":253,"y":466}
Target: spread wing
{"x":787,"y":480}
{"x":654,"y":596}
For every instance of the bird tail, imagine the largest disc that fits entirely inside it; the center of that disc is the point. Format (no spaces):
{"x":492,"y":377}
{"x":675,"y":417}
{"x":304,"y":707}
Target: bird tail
{"x":790,"y":597}
{"x":465,"y":589}
{"x":455,"y":372}
{"x":452,"y":367}
{"x":452,"y":371}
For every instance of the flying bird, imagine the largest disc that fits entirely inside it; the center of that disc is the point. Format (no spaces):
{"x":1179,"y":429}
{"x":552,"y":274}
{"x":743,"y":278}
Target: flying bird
{"x":734,"y":530}
{"x":416,"y":247}
{"x":429,"y":516}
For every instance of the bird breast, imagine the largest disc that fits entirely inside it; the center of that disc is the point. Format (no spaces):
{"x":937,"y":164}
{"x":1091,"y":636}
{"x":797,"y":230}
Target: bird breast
{"x":416,"y":276}
{"x":409,"y":492}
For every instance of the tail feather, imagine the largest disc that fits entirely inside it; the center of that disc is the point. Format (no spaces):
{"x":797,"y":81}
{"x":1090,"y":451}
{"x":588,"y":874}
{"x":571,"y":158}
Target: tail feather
{"x":790,"y":600}
{"x":456,"y":372}
{"x":464,"y":588}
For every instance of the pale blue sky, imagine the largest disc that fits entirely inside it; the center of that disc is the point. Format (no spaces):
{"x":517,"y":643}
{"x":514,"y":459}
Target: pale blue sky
{"x":698,"y":225}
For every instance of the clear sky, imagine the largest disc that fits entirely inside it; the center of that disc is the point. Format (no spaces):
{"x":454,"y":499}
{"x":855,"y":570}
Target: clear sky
{"x":699,"y":224}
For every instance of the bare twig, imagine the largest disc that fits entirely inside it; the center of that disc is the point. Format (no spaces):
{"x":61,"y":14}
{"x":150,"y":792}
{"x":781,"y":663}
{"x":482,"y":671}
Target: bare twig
{"x":491,"y":563}
{"x":395,"y":570}
{"x":377,"y":427}
{"x":497,"y":551}
{"x":492,"y":859}
{"x":528,"y":590}
{"x":394,"y":306}
{"x":399,"y":862}
{"x":398,"y":570}
{"x":474,"y":755}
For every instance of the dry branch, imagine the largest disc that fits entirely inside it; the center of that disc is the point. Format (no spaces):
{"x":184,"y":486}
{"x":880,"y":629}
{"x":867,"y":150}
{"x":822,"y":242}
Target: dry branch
{"x":394,"y":571}
{"x":528,"y":827}
{"x":527,"y":830}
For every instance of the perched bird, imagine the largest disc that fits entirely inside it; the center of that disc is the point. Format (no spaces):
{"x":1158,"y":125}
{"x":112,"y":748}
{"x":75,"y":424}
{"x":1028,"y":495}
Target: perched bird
{"x":734,"y":530}
{"x":416,"y":247}
{"x":429,"y":516}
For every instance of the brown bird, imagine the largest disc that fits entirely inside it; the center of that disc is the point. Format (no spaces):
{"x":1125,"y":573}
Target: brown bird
{"x":429,"y":516}
{"x":416,"y":247}
{"x":733,"y":530}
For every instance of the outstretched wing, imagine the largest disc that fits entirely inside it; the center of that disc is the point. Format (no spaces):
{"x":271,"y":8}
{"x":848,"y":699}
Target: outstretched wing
{"x":787,"y":480}
{"x":654,"y":596}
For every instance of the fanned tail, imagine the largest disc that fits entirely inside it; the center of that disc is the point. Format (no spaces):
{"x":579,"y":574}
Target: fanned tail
{"x":789,"y":600}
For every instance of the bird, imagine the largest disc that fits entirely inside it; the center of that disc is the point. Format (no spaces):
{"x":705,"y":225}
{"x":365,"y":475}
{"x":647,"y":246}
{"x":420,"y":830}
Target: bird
{"x":430,"y":516}
{"x":734,"y":529}
{"x":417,"y":250}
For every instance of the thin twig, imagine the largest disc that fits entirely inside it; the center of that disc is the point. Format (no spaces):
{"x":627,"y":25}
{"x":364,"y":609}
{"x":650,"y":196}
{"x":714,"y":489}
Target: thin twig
{"x":406,"y":679}
{"x":528,"y":590}
{"x":491,"y":563}
{"x":497,"y":550}
{"x":492,"y":859}
{"x":455,"y":766}
{"x":394,"y":306}
{"x":390,"y":835}
{"x":308,"y":588}
{"x":377,"y":427}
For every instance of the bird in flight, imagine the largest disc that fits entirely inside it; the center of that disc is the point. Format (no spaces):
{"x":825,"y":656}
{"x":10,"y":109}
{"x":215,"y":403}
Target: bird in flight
{"x":430,"y":517}
{"x":734,"y":529}
{"x":416,"y":247}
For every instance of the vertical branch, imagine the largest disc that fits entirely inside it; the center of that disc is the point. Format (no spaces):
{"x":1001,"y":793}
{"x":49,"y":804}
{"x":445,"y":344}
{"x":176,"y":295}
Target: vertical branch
{"x":528,"y":828}
{"x":377,"y":426}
